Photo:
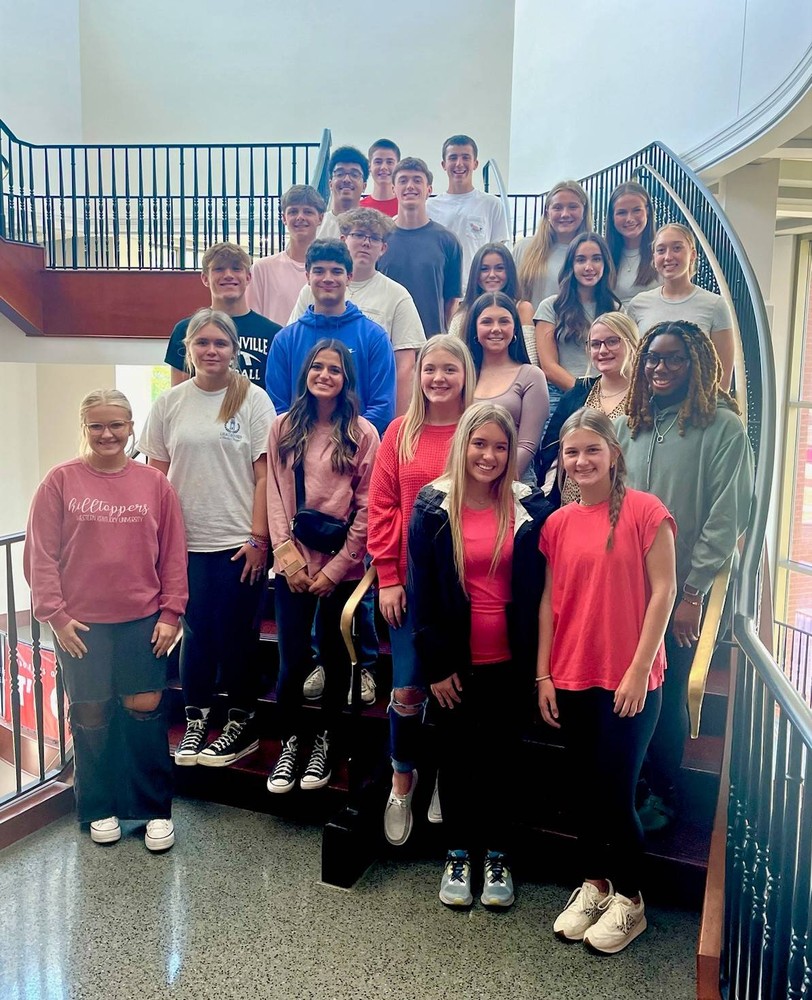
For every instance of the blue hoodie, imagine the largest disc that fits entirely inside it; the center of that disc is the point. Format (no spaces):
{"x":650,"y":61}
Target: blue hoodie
{"x":371,"y":351}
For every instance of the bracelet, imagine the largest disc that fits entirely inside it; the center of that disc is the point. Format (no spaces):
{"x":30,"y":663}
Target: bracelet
{"x":694,"y":604}
{"x":546,"y":677}
{"x":261,"y":546}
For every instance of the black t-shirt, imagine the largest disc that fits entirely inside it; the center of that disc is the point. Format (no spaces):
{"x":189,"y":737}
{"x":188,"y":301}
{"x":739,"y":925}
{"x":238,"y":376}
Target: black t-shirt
{"x":255,"y":333}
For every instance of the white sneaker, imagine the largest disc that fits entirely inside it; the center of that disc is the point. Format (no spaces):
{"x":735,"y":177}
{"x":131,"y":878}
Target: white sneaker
{"x":620,"y":923}
{"x":160,"y":835}
{"x":367,"y":689}
{"x":397,"y":817}
{"x":105,"y":831}
{"x":435,"y":813}
{"x":313,"y":687}
{"x":585,"y":908}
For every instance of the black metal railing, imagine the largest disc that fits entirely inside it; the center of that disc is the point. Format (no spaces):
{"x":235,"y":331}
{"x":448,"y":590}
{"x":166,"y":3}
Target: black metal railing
{"x":152,"y":206}
{"x":793,"y":652}
{"x":32,"y":702}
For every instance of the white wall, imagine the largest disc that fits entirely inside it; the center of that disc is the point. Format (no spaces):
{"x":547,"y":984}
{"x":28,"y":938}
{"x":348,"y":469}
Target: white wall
{"x":40,"y":91}
{"x":593,"y":82}
{"x":199,"y":70}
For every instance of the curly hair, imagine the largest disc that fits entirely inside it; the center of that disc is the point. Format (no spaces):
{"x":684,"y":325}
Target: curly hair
{"x":698,"y":409}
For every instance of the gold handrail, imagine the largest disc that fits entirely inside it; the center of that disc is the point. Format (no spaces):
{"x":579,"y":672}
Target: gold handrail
{"x":351,"y":607}
{"x":698,"y":678}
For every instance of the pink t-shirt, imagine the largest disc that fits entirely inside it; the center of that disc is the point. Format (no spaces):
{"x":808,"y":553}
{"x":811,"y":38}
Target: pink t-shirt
{"x":600,"y":598}
{"x":389,"y":206}
{"x":274,"y":287}
{"x":105,"y":547}
{"x":489,"y":595}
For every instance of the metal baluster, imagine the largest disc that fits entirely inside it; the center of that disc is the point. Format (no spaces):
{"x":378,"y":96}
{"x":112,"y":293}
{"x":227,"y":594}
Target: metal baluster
{"x":14,"y":671}
{"x":182,"y":195}
{"x":36,"y":663}
{"x":140,"y":222}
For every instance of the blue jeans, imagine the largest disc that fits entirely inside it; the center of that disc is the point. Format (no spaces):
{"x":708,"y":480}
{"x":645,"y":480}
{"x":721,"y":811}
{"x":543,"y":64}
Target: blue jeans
{"x":407,"y":706}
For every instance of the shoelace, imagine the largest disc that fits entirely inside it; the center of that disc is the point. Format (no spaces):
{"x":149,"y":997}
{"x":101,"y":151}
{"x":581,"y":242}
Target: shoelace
{"x":194,"y":730}
{"x":495,"y":869}
{"x":286,"y":763}
{"x":457,"y":866}
{"x":621,"y":914}
{"x":229,"y":735}
{"x":317,"y":764}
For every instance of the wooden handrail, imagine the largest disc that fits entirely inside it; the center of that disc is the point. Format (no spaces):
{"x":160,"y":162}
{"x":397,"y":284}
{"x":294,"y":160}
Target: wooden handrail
{"x":706,"y":645}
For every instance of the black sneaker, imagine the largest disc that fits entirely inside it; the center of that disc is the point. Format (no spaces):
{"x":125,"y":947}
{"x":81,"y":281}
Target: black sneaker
{"x":238,"y":739}
{"x":317,"y":773}
{"x":283,"y":776}
{"x":194,"y":739}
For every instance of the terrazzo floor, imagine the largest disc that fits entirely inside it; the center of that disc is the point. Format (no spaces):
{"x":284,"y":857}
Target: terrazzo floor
{"x":235,"y":910}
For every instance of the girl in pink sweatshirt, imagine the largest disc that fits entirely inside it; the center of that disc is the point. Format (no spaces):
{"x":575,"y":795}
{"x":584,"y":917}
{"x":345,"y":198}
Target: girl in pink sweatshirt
{"x":322,"y":435}
{"x":105,"y":557}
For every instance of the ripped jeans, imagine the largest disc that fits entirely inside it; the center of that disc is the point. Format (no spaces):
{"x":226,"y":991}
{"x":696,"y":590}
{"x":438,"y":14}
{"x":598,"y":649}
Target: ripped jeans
{"x":121,"y":756}
{"x":407,"y":706}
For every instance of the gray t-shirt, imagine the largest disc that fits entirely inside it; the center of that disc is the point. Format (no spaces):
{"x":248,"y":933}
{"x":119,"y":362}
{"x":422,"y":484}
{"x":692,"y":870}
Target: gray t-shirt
{"x":571,"y":352}
{"x":210,"y":463}
{"x":546,"y":283}
{"x":626,"y":286}
{"x":710,"y":312}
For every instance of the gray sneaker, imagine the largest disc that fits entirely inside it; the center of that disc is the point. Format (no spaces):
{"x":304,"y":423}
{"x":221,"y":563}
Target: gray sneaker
{"x":497,"y":890}
{"x":455,"y":887}
{"x":313,"y":687}
{"x":367,"y":689}
{"x":397,"y":817}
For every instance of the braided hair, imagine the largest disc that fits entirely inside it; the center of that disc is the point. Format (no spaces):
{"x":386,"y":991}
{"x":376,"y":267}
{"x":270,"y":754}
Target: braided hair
{"x":597,"y":422}
{"x":699,"y":407}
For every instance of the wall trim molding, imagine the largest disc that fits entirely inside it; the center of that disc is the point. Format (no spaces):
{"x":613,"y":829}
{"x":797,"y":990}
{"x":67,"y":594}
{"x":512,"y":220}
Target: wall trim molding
{"x":754,"y":123}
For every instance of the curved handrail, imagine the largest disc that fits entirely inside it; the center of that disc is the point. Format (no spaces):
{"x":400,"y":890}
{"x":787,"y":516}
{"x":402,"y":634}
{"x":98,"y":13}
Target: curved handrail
{"x":351,"y":607}
{"x":703,"y":654}
{"x":493,"y":166}
{"x":321,"y":180}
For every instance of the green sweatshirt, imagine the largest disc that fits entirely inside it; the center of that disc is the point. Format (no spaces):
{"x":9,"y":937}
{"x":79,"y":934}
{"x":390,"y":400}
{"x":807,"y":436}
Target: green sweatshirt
{"x":705,"y":478}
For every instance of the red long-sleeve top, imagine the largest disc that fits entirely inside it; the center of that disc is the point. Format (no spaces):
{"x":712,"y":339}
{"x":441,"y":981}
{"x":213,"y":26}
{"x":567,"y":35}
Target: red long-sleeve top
{"x":105,"y":547}
{"x":393,"y":491}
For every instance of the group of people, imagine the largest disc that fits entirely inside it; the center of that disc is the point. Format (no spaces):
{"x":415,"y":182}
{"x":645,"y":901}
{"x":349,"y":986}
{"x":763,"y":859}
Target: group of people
{"x":321,"y":417}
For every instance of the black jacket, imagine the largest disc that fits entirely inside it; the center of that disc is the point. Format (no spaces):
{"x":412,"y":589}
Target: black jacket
{"x":571,"y":401}
{"x":440,"y":610}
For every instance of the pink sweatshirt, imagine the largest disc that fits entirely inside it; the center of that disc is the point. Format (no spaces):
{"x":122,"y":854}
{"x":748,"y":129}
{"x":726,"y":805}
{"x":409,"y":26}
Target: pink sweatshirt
{"x":325,"y":491}
{"x":105,"y":547}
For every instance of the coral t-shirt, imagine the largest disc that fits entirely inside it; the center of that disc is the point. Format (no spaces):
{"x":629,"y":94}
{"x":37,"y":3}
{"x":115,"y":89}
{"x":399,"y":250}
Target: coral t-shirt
{"x":600,"y":597}
{"x":489,"y":594}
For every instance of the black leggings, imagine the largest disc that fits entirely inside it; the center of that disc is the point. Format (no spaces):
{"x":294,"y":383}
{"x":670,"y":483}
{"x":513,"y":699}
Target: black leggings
{"x":668,"y":742}
{"x":604,"y":757}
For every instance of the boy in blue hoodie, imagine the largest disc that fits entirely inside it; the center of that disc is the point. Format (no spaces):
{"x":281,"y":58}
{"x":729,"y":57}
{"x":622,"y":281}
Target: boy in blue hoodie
{"x":328,"y":267}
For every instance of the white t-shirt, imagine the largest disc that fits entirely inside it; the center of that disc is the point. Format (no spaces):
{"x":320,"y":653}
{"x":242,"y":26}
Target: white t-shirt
{"x":385,"y":302}
{"x":545,"y":284}
{"x":475,"y":218}
{"x":571,"y":353}
{"x":210,"y":463}
{"x":275,"y":283}
{"x":626,"y":286}
{"x":329,"y":228}
{"x":709,"y":311}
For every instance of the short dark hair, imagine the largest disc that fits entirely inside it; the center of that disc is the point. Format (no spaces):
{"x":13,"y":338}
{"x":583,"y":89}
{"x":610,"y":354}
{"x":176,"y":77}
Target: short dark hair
{"x":303,"y":194}
{"x":461,"y":140}
{"x":349,"y":154}
{"x":415,"y":164}
{"x":384,"y":144}
{"x":334,"y":250}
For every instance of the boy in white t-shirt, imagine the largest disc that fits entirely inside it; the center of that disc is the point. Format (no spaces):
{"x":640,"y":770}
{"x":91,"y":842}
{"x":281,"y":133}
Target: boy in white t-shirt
{"x":278,"y":279}
{"x":474,"y":217}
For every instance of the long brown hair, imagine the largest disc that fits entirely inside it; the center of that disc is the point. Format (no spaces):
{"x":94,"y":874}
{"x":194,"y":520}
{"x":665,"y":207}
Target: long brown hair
{"x":597,"y":422}
{"x":645,"y":269}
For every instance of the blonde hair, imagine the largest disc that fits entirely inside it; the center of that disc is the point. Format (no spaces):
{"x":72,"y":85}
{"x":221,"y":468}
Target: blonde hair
{"x":477,"y":416}
{"x":238,"y":385}
{"x":685,"y":232}
{"x":597,"y":422}
{"x":101,"y":397}
{"x":625,"y":328}
{"x":417,"y":412}
{"x":534,"y":261}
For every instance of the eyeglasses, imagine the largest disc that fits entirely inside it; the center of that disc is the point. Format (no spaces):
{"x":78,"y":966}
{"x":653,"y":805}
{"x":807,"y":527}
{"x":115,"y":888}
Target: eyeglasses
{"x":356,"y":175}
{"x":610,"y":343}
{"x":673,"y":362}
{"x":116,"y":427}
{"x":366,"y":238}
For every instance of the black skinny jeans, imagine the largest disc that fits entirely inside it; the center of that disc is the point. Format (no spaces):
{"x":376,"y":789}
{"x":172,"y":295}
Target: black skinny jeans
{"x":668,"y":742}
{"x":479,"y":741}
{"x":604,"y":756}
{"x":220,"y":627}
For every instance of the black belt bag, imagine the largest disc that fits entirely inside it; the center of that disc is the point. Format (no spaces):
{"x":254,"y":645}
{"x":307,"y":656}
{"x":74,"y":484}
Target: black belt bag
{"x":317,"y":531}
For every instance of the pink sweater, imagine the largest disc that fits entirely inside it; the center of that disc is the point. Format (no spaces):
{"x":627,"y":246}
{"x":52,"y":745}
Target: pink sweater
{"x":105,"y":547}
{"x":326,"y":491}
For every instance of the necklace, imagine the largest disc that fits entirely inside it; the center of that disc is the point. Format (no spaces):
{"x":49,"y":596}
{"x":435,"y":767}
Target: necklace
{"x":660,"y":434}
{"x":611,"y":395}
